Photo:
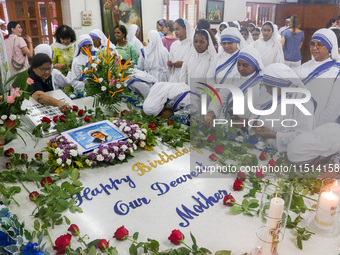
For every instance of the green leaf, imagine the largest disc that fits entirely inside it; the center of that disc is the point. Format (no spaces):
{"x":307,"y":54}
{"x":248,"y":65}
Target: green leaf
{"x":193,"y":239}
{"x":67,"y":220}
{"x":135,"y":236}
{"x":305,"y":191}
{"x":133,"y":249}
{"x":223,"y":253}
{"x":236,"y":209}
{"x":299,"y":242}
{"x":74,"y":174}
{"x":36,"y":225}
{"x":245,"y":204}
{"x":92,"y":250}
{"x":79,"y":164}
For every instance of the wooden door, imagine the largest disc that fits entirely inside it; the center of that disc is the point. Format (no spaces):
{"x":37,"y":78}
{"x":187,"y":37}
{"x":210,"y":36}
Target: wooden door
{"x":312,"y":17}
{"x":39,"y":19}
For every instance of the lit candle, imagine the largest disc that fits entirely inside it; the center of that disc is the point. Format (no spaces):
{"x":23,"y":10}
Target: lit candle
{"x":325,"y":214}
{"x":273,"y":226}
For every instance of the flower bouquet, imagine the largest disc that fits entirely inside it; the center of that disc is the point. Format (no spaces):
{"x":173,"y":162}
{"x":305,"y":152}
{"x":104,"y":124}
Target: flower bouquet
{"x":10,"y":105}
{"x":105,"y":78}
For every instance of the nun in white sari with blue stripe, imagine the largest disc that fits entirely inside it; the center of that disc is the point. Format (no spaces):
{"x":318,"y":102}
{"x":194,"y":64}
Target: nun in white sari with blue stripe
{"x":80,"y":59}
{"x":166,"y":99}
{"x":250,"y":68}
{"x":224,"y":66}
{"x":277,"y":135}
{"x":321,"y":76}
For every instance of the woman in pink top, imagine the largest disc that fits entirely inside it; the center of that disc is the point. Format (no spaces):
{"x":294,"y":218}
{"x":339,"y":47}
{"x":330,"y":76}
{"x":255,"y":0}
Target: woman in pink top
{"x":169,"y":37}
{"x":17,"y":47}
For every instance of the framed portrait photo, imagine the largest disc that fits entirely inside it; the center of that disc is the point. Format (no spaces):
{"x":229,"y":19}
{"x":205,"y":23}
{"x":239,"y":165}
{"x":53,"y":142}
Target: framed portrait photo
{"x":89,"y":137}
{"x":215,"y":11}
{"x":121,"y":12}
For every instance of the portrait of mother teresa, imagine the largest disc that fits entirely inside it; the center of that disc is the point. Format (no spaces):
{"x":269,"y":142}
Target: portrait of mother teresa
{"x":99,"y":136}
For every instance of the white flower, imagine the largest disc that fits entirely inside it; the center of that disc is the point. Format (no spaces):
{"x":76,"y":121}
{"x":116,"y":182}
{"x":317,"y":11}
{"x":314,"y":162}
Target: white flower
{"x":1,"y":122}
{"x":131,"y":150}
{"x":2,"y":130}
{"x":239,"y":139}
{"x":118,"y":86}
{"x":112,"y":155}
{"x":86,"y":69}
{"x":127,"y":129}
{"x":125,"y":84}
{"x":136,"y":135}
{"x":100,"y":80}
{"x":88,"y":162}
{"x":115,"y":148}
{"x":56,"y":151}
{"x":68,"y":161}
{"x":94,"y":65}
{"x":4,"y":117}
{"x":72,"y":96}
{"x":121,"y":156}
{"x":144,"y":131}
{"x":73,"y":153}
{"x":124,"y":147}
{"x":60,"y":153}
{"x":129,"y":140}
{"x":105,"y":152}
{"x":260,"y":145}
{"x":142,"y":136}
{"x":142,"y":144}
{"x":134,"y":146}
{"x":59,"y":161}
{"x":103,"y":88}
{"x":12,"y":117}
{"x":100,"y":157}
{"x":95,"y":151}
{"x":119,"y":74}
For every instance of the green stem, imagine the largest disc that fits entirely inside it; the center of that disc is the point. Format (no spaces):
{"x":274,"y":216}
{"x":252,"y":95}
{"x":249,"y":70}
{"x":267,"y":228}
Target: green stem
{"x":49,"y":237}
{"x":83,"y":242}
{"x":25,"y":187}
{"x":181,"y":241}
{"x":11,"y":197}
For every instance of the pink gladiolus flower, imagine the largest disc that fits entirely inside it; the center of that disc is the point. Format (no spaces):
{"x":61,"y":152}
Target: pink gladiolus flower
{"x":10,"y":99}
{"x":29,"y":81}
{"x":15,"y":92}
{"x":113,"y":82}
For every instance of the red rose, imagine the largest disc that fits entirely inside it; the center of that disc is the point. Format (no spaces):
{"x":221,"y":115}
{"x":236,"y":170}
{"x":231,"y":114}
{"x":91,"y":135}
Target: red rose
{"x":219,"y":149}
{"x":9,"y":152}
{"x":38,"y":156}
{"x":211,"y":138}
{"x":121,"y":233}
{"x":75,"y":108}
{"x":9,"y":165}
{"x":45,"y":119}
{"x":241,"y":176}
{"x":74,"y":229}
{"x":176,"y":236}
{"x":213,"y":157}
{"x":271,"y":164}
{"x":33,"y":195}
{"x":61,"y":243}
{"x":122,"y":113}
{"x":24,"y":156}
{"x":263,"y":155}
{"x":45,"y":180}
{"x":10,"y":123}
{"x":87,"y":119}
{"x":139,"y":125}
{"x":81,"y":113}
{"x":103,"y":244}
{"x":229,"y":200}
{"x":171,"y":122}
{"x":62,"y":118}
{"x":238,"y":185}
{"x":55,"y":118}
{"x":152,"y":126}
{"x":259,"y":173}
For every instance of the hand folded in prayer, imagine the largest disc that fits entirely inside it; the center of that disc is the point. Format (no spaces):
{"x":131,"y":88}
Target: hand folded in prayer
{"x":169,"y":63}
{"x":264,"y":132}
{"x":178,"y":64}
{"x":167,"y":113}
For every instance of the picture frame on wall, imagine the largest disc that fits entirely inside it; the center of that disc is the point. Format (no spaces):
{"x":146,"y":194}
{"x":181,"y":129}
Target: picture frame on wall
{"x":121,"y":12}
{"x":215,"y":11}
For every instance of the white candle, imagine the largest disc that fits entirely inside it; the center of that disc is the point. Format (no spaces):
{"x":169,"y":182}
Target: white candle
{"x":325,"y":214}
{"x":273,"y":226}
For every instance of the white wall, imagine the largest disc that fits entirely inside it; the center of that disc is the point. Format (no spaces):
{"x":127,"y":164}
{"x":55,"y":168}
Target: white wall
{"x":152,"y":10}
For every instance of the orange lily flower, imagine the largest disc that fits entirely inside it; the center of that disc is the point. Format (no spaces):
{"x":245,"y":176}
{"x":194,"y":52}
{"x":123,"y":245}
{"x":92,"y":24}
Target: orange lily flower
{"x":95,"y":78}
{"x":126,"y":64}
{"x":88,"y":71}
{"x":108,"y":48}
{"x":122,"y":77}
{"x":109,"y":75}
{"x":115,"y":92}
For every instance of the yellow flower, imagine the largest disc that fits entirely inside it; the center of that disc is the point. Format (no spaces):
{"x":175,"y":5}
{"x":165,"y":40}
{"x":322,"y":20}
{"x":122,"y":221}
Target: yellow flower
{"x":148,"y":148}
{"x":59,"y":170}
